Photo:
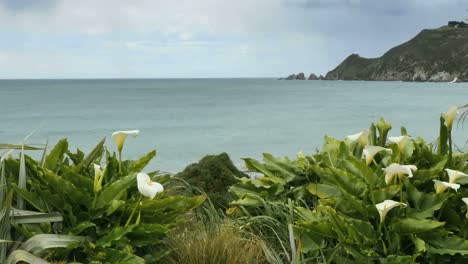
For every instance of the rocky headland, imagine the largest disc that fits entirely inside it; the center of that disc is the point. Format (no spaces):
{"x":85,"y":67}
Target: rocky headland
{"x":436,"y":55}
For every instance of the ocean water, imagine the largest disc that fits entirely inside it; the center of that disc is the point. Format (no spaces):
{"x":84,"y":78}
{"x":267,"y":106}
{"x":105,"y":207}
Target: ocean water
{"x":185,"y":119}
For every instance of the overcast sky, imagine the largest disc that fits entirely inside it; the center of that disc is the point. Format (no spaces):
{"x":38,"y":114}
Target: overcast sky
{"x":204,"y":38}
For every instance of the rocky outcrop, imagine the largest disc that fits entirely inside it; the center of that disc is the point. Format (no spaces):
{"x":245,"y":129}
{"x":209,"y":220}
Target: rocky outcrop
{"x":438,"y":55}
{"x":313,"y":77}
{"x":291,"y":77}
{"x":300,"y":76}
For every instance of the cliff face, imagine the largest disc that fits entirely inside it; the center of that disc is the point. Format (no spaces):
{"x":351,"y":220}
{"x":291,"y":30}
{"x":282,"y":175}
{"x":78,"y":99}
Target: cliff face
{"x":437,"y":55}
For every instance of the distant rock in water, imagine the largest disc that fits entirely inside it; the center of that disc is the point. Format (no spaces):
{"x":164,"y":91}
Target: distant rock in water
{"x":299,"y":76}
{"x":313,"y":77}
{"x":321,"y":77}
{"x":291,"y":77}
{"x":437,"y":55}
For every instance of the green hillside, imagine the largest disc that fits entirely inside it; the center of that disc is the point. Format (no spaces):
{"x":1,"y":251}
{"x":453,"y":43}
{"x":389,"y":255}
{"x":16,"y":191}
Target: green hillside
{"x":438,"y":55}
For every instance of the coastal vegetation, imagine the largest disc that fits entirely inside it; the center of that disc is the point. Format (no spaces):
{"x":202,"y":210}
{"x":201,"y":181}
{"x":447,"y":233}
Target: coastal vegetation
{"x":377,"y":196}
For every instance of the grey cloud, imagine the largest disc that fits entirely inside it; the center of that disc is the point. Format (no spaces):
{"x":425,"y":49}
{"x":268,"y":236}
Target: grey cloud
{"x":23,"y":5}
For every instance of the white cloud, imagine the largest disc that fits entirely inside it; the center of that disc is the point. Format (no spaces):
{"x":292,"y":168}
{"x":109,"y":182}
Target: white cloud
{"x":190,"y":38}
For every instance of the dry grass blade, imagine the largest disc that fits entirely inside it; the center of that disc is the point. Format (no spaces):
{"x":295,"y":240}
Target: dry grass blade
{"x":13,"y":146}
{"x":21,"y":180}
{"x":216,"y":245}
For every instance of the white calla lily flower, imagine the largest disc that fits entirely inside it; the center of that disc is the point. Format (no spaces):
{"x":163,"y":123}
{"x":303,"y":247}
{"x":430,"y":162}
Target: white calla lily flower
{"x":369,"y":152}
{"x":401,"y":141}
{"x":120,"y":136}
{"x":397,"y":169}
{"x":147,"y":187}
{"x":454,"y":175}
{"x":450,"y":116}
{"x":386,"y":206}
{"x":441,"y":186}
{"x":465,"y":200}
{"x":361,"y":137}
{"x":98,"y":176}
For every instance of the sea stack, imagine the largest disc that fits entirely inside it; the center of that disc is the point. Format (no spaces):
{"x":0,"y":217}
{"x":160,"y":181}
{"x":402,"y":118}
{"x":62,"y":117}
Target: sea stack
{"x":313,"y":77}
{"x":300,"y":76}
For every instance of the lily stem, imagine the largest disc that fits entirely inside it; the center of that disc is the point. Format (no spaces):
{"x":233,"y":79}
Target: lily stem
{"x":383,"y":238}
{"x":450,"y":144}
{"x":133,"y":211}
{"x":120,"y":161}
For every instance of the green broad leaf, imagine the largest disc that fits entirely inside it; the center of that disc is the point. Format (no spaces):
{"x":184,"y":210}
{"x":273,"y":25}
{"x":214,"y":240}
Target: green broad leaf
{"x":146,"y":234}
{"x":383,"y":126}
{"x":18,"y":147}
{"x":407,"y":226}
{"x":114,"y":206}
{"x":423,"y":204}
{"x":348,"y":205}
{"x":32,"y":198}
{"x":249,"y":201}
{"x":76,"y":230}
{"x":114,"y":235}
{"x":114,"y":256}
{"x":114,"y":191}
{"x":345,"y":229}
{"x":165,"y":209}
{"x":282,"y":167}
{"x":139,"y":164}
{"x":56,"y":155}
{"x":95,"y":153}
{"x":360,"y":169}
{"x":419,"y":245}
{"x":74,"y":194}
{"x":77,"y":157}
{"x":256,"y":166}
{"x":345,"y":181}
{"x":241,"y":190}
{"x":21,"y":256}
{"x":330,"y":151}
{"x":323,"y":190}
{"x":77,"y":179}
{"x":386,"y":193}
{"x":30,"y":217}
{"x":438,"y":243}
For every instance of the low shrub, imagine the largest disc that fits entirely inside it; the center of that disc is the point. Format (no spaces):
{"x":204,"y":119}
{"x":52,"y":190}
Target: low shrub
{"x":213,"y":175}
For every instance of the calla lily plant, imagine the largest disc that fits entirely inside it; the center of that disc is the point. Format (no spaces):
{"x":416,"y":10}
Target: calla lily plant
{"x":384,"y":207}
{"x":396,"y":169}
{"x":450,"y":116}
{"x":147,"y":187}
{"x":454,"y":175}
{"x":119,"y":138}
{"x":441,"y":186}
{"x":369,"y":152}
{"x":360,"y":137}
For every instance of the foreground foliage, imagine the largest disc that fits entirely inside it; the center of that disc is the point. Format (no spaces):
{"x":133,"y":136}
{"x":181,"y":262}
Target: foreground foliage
{"x":101,"y":205}
{"x":369,"y":198}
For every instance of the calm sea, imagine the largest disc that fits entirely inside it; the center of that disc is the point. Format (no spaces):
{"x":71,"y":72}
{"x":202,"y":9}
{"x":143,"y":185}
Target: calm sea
{"x":185,"y":119}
